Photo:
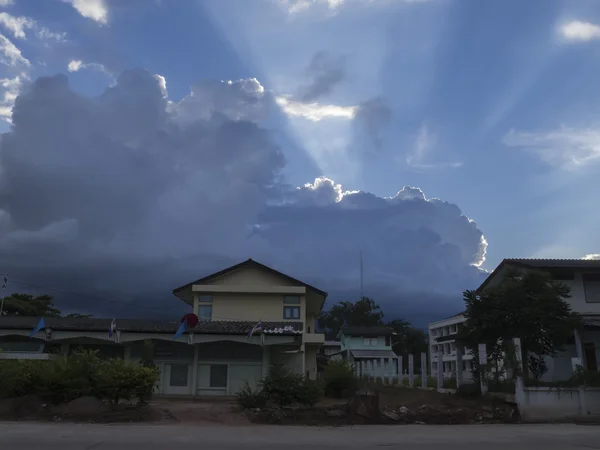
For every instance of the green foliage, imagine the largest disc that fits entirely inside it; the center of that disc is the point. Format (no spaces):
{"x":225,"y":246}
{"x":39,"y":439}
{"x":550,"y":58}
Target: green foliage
{"x":469,"y":390}
{"x":364,"y":312}
{"x":81,"y":374}
{"x":340,"y":379}
{"x":526,"y":304}
{"x":282,"y":386}
{"x":29,"y":305}
{"x":249,"y":398}
{"x":310,"y":393}
{"x":79,"y":316}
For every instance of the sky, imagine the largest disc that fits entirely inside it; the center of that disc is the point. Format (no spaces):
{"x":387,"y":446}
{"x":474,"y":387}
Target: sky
{"x":148,"y":143}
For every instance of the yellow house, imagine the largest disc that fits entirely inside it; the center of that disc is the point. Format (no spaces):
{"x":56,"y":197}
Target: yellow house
{"x":216,"y":357}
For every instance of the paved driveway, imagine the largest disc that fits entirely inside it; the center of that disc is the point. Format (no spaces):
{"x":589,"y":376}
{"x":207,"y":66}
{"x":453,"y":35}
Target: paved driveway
{"x":60,"y":436}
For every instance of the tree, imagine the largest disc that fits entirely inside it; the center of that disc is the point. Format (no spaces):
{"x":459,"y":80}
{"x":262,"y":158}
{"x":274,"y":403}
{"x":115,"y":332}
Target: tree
{"x":365,"y":312}
{"x":408,"y":340}
{"x":529,"y":305}
{"x":29,"y":305}
{"x":78,"y":316}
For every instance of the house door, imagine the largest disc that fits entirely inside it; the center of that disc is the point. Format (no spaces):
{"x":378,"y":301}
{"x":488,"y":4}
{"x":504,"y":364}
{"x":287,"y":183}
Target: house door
{"x":590,"y":356}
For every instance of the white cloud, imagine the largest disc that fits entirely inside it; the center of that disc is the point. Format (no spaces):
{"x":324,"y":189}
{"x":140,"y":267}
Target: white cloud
{"x":566,"y":148}
{"x":592,"y":256}
{"x":76,"y":65}
{"x":11,"y":88}
{"x":577,"y":30}
{"x":12,"y":55}
{"x":424,"y":143}
{"x":7,"y":2}
{"x":315,"y":112}
{"x":18,"y":25}
{"x":91,"y":9}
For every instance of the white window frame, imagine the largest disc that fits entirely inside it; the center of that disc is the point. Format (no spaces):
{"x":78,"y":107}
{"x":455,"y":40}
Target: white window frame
{"x":287,"y":308}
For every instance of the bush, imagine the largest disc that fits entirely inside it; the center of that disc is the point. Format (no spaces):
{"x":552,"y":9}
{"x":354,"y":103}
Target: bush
{"x":340,"y":380}
{"x":82,"y":374}
{"x":469,"y":390}
{"x":282,"y":386}
{"x":310,"y":393}
{"x":249,"y":398}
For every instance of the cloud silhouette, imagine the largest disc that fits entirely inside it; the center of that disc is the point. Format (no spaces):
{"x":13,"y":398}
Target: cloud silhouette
{"x":121,"y":197}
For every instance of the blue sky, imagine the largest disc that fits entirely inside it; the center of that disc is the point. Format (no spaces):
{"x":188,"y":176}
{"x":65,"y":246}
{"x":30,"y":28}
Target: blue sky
{"x":491,"y":106}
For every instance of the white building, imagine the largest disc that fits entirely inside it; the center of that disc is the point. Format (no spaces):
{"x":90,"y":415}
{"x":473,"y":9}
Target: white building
{"x":582,"y":276}
{"x":441,"y":342}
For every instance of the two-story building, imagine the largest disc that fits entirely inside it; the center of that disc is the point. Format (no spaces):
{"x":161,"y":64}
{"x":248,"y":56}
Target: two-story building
{"x":582,"y":276}
{"x":371,"y":346}
{"x":217,"y":356}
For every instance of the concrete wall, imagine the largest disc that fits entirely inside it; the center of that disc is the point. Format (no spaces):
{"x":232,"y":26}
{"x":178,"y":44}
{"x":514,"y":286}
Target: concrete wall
{"x":544,"y":403}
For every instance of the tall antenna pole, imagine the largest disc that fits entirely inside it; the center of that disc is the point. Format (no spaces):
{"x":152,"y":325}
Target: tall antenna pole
{"x":361,"y":275}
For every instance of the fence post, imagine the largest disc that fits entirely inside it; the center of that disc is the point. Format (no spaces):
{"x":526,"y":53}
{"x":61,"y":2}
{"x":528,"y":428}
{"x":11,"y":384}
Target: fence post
{"x":459,"y":364}
{"x":399,"y":361}
{"x":440,"y":371}
{"x":482,"y":362}
{"x":424,"y":383}
{"x":411,"y":370}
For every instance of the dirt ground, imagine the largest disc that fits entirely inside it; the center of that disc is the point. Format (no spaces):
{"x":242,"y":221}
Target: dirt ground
{"x":396,"y":406}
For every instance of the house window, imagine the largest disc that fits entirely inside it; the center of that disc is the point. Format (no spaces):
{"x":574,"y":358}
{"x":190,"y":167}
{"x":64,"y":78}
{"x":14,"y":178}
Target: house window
{"x":591,"y":287}
{"x":388,"y":341}
{"x":205,"y":313}
{"x":372,"y":341}
{"x":291,"y":312}
{"x":205,"y":298}
{"x":179,"y":375}
{"x":218,"y":375}
{"x":291,"y":299}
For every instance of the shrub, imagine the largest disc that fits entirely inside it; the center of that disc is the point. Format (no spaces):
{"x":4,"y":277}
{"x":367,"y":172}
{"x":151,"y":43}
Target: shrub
{"x":282,"y":386}
{"x":310,"y":393}
{"x":469,"y":390}
{"x":340,"y":380}
{"x":249,"y":398}
{"x":62,"y":379}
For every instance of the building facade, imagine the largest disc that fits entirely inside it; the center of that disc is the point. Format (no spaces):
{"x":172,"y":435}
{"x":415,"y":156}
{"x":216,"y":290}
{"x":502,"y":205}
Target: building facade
{"x":442,"y":343}
{"x":219,"y":355}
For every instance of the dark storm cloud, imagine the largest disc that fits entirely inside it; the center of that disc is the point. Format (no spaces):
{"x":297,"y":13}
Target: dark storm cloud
{"x":324,"y":72}
{"x":122,"y":197}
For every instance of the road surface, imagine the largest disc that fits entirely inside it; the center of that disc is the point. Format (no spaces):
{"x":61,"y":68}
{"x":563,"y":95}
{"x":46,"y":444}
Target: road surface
{"x":61,"y":436}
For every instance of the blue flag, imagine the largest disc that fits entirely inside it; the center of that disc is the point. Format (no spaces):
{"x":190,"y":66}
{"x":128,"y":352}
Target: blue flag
{"x":182,"y":329}
{"x":40,"y":326}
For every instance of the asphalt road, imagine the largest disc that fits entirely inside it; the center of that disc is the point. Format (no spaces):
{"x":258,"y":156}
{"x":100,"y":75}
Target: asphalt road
{"x":36,"y":436}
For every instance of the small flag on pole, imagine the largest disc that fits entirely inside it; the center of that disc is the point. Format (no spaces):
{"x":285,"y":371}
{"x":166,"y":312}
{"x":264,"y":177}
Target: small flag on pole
{"x":182,"y":329}
{"x":40,"y":326}
{"x":112,"y":328}
{"x":4,"y":282}
{"x":256,"y":328}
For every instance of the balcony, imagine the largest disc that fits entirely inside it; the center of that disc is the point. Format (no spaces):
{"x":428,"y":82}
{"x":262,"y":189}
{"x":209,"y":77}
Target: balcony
{"x":314,"y":338}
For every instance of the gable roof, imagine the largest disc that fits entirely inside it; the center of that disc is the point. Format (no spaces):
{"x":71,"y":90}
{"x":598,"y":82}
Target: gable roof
{"x":534,"y":263}
{"x":245,"y":264}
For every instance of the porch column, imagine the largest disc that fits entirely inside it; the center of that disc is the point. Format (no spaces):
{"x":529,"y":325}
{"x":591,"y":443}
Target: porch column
{"x":195,"y":371}
{"x":459,"y":364}
{"x":579,"y":348}
{"x":266,"y":360}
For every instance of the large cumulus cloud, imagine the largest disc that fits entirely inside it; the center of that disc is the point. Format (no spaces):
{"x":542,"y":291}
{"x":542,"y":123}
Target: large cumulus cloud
{"x":120,"y":198}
